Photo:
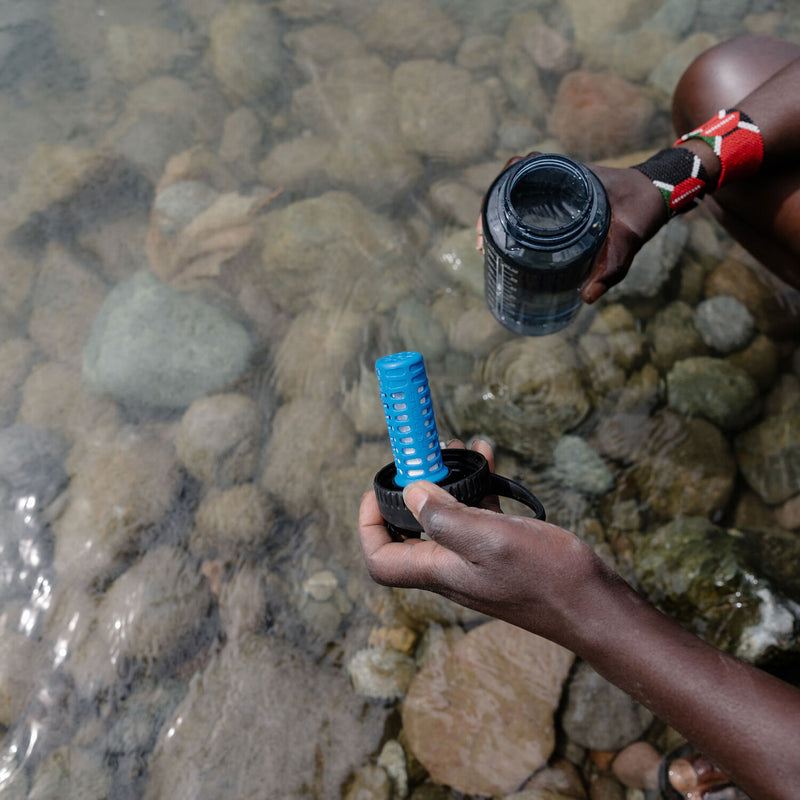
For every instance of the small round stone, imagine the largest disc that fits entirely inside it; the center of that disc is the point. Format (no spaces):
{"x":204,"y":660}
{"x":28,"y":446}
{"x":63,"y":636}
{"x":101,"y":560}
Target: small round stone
{"x":682,"y":775}
{"x":724,"y":323}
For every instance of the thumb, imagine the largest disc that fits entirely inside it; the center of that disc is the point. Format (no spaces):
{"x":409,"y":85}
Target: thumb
{"x":447,"y":521}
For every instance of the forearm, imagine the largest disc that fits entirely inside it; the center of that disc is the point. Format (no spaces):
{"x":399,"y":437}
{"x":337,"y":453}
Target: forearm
{"x":772,"y":109}
{"x":743,"y":719}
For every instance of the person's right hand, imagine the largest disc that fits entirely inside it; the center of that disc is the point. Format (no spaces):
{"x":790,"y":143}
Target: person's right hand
{"x":638,"y":211}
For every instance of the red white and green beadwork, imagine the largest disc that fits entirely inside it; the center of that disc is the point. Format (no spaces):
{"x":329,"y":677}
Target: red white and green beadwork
{"x":680,"y":177}
{"x":735,"y":139}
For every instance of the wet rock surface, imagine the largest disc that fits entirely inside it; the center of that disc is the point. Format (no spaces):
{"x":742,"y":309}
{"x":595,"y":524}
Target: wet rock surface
{"x":703,"y":575}
{"x":151,"y":345}
{"x":258,"y":702}
{"x":214,"y":218}
{"x":456,"y":713}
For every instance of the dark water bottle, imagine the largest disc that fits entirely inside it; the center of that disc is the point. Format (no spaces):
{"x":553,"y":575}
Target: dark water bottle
{"x":544,"y":219}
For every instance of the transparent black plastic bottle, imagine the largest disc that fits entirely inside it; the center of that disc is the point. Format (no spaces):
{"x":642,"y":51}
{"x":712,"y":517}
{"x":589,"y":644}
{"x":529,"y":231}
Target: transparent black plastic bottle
{"x":544,"y":219}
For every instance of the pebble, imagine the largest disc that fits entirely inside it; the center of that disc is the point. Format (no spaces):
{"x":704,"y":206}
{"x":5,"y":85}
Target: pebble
{"x":580,"y":467}
{"x":244,"y":50}
{"x":724,"y":324}
{"x":600,"y":716}
{"x":637,"y":766}
{"x":151,"y":345}
{"x":381,"y":674}
{"x":217,"y":439}
{"x":715,"y":389}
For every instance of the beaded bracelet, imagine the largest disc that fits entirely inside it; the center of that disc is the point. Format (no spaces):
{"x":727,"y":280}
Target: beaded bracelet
{"x":735,"y":139}
{"x":679,"y":174}
{"x":680,"y":177}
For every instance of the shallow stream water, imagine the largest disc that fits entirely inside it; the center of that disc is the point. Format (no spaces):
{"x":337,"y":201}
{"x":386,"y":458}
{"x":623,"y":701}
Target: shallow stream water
{"x":214,"y":218}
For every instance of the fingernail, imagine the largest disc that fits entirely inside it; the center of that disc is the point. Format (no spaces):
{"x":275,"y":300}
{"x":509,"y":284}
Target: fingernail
{"x":415,"y":496}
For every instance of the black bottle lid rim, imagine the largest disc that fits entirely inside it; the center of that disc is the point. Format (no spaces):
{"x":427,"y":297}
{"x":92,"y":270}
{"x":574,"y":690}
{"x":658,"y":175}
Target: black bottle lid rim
{"x":469,"y":480}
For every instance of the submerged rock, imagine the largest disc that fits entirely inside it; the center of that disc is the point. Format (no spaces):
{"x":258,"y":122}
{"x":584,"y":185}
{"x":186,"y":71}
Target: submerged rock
{"x":599,"y":115}
{"x":380,"y":673}
{"x":478,"y":734}
{"x":715,"y":389}
{"x":153,"y":345}
{"x":707,"y":578}
{"x":263,"y":720}
{"x":433,"y":95}
{"x":600,"y":716}
{"x":769,"y":456}
{"x":154,"y":606}
{"x":724,"y":323}
{"x":527,"y":393}
{"x":218,"y":439}
{"x":244,"y":50}
{"x":331,"y":252}
{"x":120,"y":486}
{"x":69,"y":773}
{"x":683,"y":467}
{"x":580,"y":467}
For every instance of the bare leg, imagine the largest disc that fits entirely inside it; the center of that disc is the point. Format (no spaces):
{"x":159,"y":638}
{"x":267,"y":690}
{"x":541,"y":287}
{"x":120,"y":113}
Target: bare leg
{"x":762,"y":213}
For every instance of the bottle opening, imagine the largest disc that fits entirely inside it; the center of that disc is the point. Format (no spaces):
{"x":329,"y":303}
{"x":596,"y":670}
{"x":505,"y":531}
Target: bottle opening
{"x":548,"y":199}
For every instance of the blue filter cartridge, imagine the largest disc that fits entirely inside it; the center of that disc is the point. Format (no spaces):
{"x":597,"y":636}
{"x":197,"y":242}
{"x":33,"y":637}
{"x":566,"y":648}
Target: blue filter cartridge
{"x":406,"y":400}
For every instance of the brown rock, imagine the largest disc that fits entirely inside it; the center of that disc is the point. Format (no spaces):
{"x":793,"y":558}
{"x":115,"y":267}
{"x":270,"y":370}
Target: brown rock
{"x":597,"y":115}
{"x":789,"y":513}
{"x":636,"y":766}
{"x":774,"y":306}
{"x":684,"y":466}
{"x":475,"y":732}
{"x":65,"y":299}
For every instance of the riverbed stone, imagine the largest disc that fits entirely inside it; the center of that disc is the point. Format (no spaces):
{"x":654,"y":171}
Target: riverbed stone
{"x":308,"y":438}
{"x":69,"y":773}
{"x":596,"y":115}
{"x":66,"y":297}
{"x":54,"y":397}
{"x":153,"y":345}
{"x":475,"y":733}
{"x":775,"y":307}
{"x":653,"y":264}
{"x":600,"y":716}
{"x":431,"y":95}
{"x":408,"y":29}
{"x":578,"y":465}
{"x":122,"y":483}
{"x":16,"y":358}
{"x":259,"y":721}
{"x":218,"y":439}
{"x":690,"y":471}
{"x":701,"y":575}
{"x":527,"y":392}
{"x":244,"y":50}
{"x":154,"y":606}
{"x":32,"y":462}
{"x":724,"y":323}
{"x":231,"y":522}
{"x":673,"y":336}
{"x":715,"y":389}
{"x":356,"y":245}
{"x":381,"y":673}
{"x":768,"y":455}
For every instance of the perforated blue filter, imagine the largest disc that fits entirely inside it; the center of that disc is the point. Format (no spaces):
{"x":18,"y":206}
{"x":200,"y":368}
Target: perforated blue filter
{"x":406,"y":400}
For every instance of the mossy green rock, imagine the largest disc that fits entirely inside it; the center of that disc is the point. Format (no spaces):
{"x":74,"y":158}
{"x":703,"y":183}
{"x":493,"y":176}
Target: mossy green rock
{"x":707,"y":578}
{"x":715,"y":389}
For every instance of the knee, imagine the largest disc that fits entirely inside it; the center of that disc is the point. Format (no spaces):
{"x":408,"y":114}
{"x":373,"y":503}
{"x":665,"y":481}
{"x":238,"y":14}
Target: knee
{"x":726,"y":73}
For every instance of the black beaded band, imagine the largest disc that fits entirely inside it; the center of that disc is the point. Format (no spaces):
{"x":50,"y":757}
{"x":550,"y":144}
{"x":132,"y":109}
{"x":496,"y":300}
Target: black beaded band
{"x":680,"y":177}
